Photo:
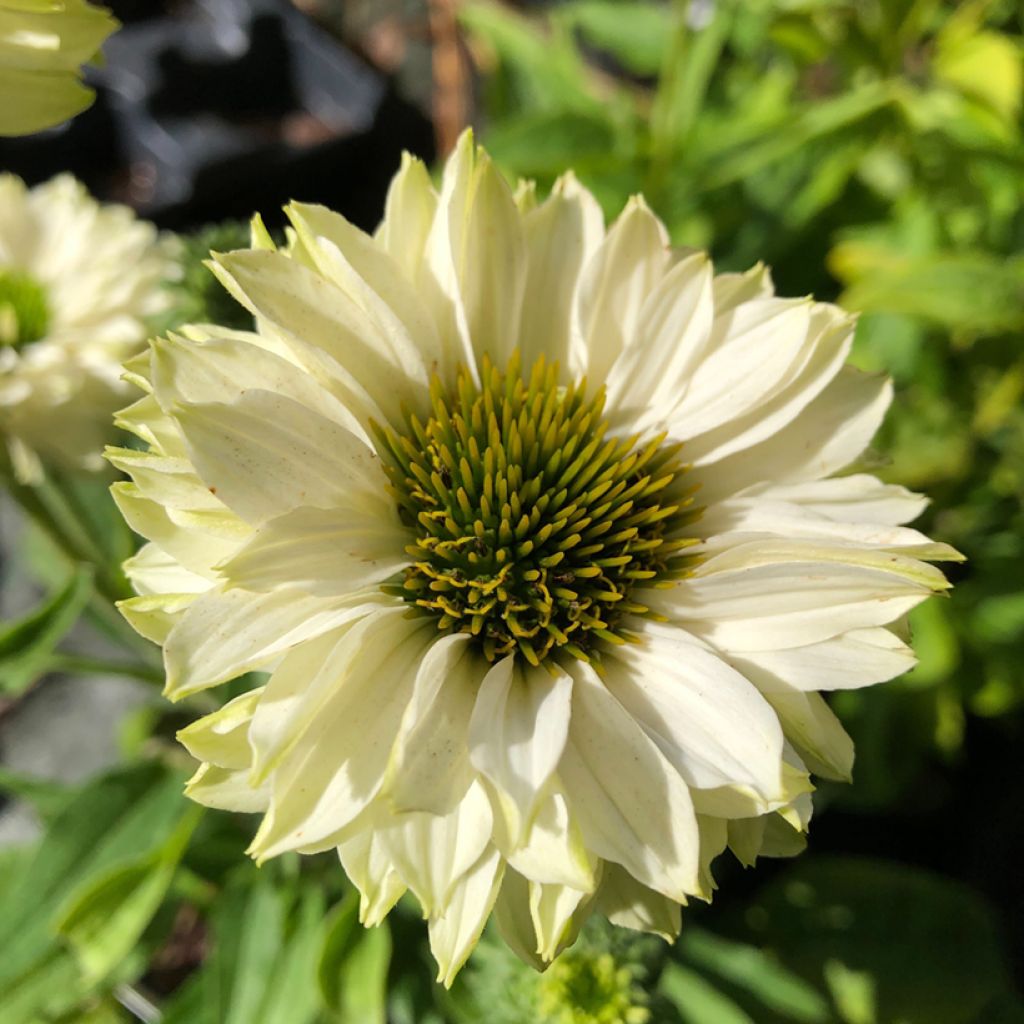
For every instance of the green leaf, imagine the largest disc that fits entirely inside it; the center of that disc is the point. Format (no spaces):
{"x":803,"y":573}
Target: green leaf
{"x":246,"y":976}
{"x":543,"y":144}
{"x":106,"y":917}
{"x":27,"y":644}
{"x":697,"y":1000}
{"x":776,"y":142}
{"x":48,"y":798}
{"x":972,"y":292}
{"x":547,"y":68}
{"x":353,"y":966}
{"x":264,"y":960}
{"x":680,"y":94}
{"x":114,"y":822}
{"x":50,"y":987}
{"x":292,"y":997}
{"x":925,"y":947}
{"x":751,"y":970}
{"x":636,"y":34}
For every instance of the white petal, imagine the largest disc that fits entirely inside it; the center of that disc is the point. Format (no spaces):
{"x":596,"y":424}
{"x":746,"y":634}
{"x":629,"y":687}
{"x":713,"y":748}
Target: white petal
{"x":326,"y":552}
{"x":553,"y":850}
{"x":780,"y":396}
{"x":859,"y":498}
{"x":432,"y":852}
{"x":561,"y":235}
{"x":336,"y":766}
{"x":375,"y":282}
{"x":518,"y":732}
{"x":430,"y":769}
{"x":222,"y":738}
{"x":824,"y":438}
{"x":199,"y":366}
{"x":674,"y":331}
{"x":155,"y":615}
{"x":614,"y":286}
{"x":731,"y":290}
{"x":711,"y":724}
{"x":773,"y":597}
{"x":627,"y":903}
{"x":861,"y":657}
{"x":813,"y":729}
{"x":265,"y":454}
{"x":226,"y":790}
{"x":552,"y":908}
{"x":168,"y":480}
{"x":714,"y":837}
{"x":633,"y":808}
{"x":196,"y":540}
{"x":408,"y":213}
{"x":306,"y":678}
{"x":226,"y":633}
{"x":513,"y":919}
{"x":454,"y":933}
{"x":325,"y":329}
{"x":477,"y":253}
{"x":152,"y":571}
{"x":746,"y":835}
{"x":369,"y":870}
{"x":752,"y":351}
{"x":737,"y":520}
{"x":781,"y":839}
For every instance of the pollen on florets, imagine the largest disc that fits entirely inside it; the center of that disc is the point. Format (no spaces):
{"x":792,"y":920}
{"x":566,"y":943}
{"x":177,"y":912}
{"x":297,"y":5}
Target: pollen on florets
{"x":532,"y":526}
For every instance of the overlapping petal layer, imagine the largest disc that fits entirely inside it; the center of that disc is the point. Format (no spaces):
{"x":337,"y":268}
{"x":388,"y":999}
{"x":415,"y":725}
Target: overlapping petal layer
{"x":604,"y":778}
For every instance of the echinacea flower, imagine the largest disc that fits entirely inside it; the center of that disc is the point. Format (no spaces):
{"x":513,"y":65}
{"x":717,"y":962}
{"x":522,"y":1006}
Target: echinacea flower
{"x":43,"y":44}
{"x":537,"y":529}
{"x":77,"y":282}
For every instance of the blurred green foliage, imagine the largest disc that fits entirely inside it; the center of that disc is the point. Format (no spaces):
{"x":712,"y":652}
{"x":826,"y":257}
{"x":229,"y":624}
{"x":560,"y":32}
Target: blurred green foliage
{"x":870,"y":152}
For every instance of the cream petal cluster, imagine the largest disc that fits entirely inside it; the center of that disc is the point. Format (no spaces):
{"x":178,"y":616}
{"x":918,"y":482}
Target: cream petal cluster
{"x":530,"y":741}
{"x":78,"y":281}
{"x":43,"y":44}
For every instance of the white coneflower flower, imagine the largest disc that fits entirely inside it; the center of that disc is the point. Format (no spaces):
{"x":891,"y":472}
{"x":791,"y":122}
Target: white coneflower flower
{"x":77,"y":281}
{"x":43,"y":44}
{"x":537,"y":529}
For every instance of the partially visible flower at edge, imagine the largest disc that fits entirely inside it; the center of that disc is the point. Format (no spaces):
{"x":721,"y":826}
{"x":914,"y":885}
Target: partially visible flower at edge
{"x":78,"y":282}
{"x":43,"y":44}
{"x":536,"y":526}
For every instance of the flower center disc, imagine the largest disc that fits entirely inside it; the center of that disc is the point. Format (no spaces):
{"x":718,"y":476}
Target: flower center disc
{"x":24,"y":313}
{"x":531,"y":526}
